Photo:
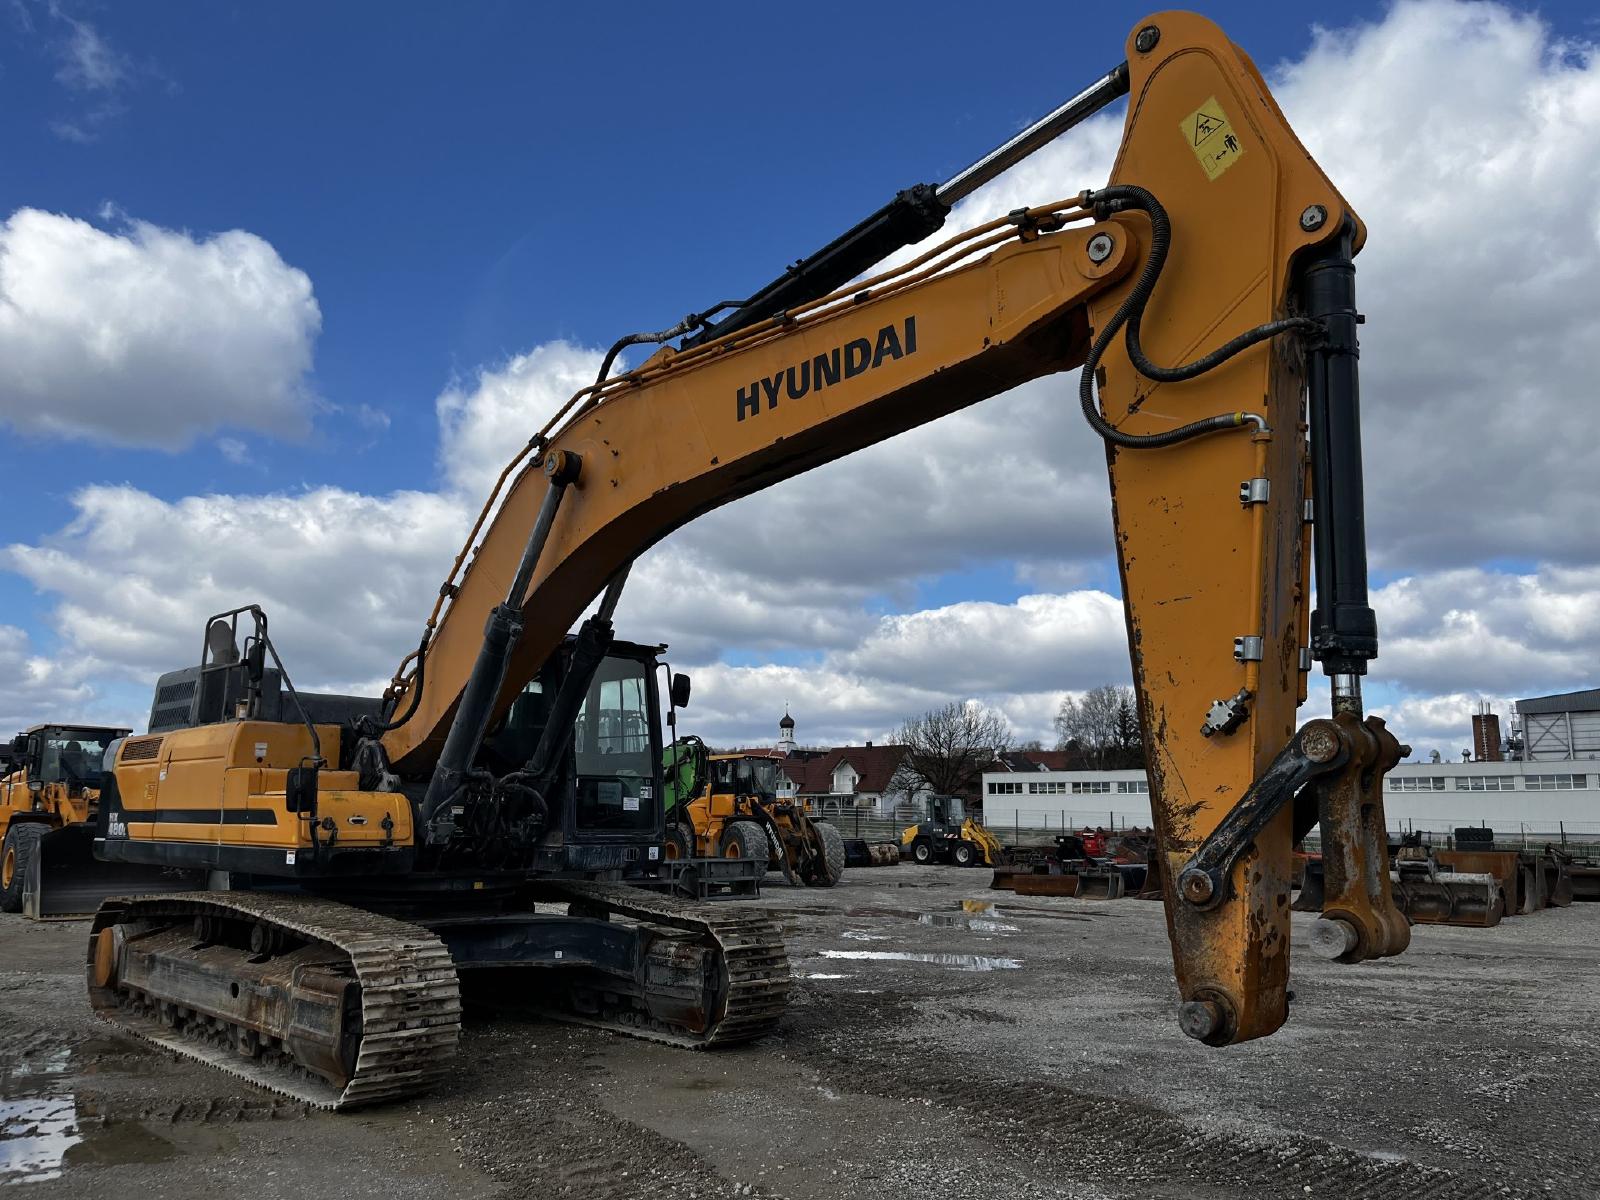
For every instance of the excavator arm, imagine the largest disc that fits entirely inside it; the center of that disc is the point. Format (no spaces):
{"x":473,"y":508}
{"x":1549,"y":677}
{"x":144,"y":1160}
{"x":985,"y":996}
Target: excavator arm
{"x":1207,"y":296}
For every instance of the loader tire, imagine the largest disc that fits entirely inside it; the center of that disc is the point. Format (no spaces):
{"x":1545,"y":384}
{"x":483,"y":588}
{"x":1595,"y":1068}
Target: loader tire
{"x":16,"y":860}
{"x":965,"y":856}
{"x":679,"y":844}
{"x":922,"y":852}
{"x":745,"y":839}
{"x":832,"y":855}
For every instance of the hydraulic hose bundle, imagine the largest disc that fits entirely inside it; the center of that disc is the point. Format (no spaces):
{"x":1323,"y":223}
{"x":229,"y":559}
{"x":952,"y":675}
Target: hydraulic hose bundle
{"x":1121,"y":198}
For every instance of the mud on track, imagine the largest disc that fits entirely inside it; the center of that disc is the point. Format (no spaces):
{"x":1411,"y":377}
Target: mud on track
{"x":1464,"y":1069}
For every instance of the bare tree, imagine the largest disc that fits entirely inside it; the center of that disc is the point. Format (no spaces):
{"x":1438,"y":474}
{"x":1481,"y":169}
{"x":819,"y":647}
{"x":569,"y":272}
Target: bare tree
{"x":1102,"y":727}
{"x":949,"y":748}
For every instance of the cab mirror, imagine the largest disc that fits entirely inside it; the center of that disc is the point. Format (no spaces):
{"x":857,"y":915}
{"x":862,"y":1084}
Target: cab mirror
{"x":19,"y":745}
{"x":680,"y":690}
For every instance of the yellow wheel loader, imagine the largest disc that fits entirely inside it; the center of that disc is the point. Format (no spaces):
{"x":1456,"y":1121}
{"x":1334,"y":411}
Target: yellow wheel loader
{"x":50,"y":778}
{"x":940,"y":840}
{"x":727,"y":806}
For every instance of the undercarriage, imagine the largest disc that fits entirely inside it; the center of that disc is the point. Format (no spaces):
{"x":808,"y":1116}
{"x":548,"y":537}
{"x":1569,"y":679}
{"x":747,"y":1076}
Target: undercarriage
{"x":340,"y":1007}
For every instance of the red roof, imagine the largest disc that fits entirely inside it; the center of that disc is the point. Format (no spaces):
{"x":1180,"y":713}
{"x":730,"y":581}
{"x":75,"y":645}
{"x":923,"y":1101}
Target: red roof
{"x":875,"y":767}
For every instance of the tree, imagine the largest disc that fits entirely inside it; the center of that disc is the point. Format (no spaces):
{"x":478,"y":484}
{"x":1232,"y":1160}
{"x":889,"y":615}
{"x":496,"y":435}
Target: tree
{"x":1103,"y":727}
{"x":1130,"y":745}
{"x":948,"y":748}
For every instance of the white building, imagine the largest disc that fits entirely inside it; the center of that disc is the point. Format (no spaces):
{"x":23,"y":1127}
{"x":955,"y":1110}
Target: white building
{"x":1540,"y":798}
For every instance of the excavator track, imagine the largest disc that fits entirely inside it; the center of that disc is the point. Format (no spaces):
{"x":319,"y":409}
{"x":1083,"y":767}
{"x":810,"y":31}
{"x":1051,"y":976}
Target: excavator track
{"x":753,"y":991}
{"x":399,"y":1006}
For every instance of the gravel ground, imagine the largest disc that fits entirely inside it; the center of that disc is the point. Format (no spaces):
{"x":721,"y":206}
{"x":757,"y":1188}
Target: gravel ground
{"x":1030,"y":1050}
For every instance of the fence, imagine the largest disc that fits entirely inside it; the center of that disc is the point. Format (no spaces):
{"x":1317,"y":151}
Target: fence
{"x":1580,"y":838}
{"x":868,"y":826}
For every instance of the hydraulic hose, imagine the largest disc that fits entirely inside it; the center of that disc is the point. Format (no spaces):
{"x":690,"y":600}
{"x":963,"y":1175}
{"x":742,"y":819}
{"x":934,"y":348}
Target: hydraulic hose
{"x":1120,"y":198}
{"x":372,"y":728}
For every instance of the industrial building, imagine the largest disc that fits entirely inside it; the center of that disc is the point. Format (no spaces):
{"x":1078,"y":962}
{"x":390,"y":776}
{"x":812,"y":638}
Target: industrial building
{"x":1563,"y":727}
{"x":1512,"y":797}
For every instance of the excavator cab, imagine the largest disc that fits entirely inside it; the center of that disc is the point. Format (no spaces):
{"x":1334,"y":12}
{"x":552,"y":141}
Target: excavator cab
{"x":750,"y":775}
{"x":610,"y":791}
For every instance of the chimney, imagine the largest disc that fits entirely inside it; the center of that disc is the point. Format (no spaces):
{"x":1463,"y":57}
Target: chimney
{"x":1486,"y":735}
{"x":869,"y":745}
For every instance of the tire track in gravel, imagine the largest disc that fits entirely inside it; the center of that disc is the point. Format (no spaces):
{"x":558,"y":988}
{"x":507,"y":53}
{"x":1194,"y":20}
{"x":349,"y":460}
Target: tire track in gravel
{"x":532,"y":1124}
{"x":1149,"y":1151}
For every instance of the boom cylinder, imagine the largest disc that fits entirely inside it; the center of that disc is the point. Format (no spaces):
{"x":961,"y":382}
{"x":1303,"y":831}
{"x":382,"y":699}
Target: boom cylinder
{"x":500,"y":634}
{"x":1344,"y":630}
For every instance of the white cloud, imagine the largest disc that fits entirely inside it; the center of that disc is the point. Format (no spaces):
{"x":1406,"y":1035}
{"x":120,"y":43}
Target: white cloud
{"x":89,"y":63}
{"x":346,"y":579}
{"x":148,"y":336}
{"x":36,"y":685}
{"x":482,"y":426}
{"x":1469,"y":140}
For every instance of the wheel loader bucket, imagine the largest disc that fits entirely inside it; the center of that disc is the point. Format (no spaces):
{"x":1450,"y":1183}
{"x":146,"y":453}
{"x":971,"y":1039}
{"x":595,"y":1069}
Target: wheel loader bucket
{"x":1584,"y":879}
{"x":1005,"y":877}
{"x":1097,"y":886}
{"x":1090,"y":885}
{"x":1557,"y":868}
{"x":1449,"y":897}
{"x":65,"y":880}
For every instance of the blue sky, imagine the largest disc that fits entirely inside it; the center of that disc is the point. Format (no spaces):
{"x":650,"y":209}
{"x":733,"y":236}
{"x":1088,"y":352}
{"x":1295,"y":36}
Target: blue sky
{"x":463,"y":183}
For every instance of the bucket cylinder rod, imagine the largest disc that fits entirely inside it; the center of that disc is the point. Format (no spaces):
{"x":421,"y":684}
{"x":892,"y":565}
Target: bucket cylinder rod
{"x":1344,"y":631}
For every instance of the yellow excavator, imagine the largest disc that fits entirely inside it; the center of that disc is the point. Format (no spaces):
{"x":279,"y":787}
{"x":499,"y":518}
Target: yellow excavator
{"x":727,"y":806}
{"x":369,"y":858}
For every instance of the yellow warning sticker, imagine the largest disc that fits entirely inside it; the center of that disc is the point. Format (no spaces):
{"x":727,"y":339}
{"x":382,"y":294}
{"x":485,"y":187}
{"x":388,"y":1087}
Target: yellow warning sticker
{"x":1211,"y":136}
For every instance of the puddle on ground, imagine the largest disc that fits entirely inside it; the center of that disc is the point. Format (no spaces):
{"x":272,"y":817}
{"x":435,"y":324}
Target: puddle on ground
{"x":861,"y":935}
{"x":35,"y":1135}
{"x":46,"y":1127}
{"x":824,"y":975}
{"x":961,"y":962}
{"x":966,"y":921}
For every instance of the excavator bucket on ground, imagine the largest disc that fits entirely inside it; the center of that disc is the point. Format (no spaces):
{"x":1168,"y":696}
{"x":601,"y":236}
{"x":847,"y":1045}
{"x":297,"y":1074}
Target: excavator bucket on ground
{"x":1584,"y":878}
{"x":1556,"y":867}
{"x":1085,"y":885}
{"x":1429,"y":896}
{"x":1005,"y":876}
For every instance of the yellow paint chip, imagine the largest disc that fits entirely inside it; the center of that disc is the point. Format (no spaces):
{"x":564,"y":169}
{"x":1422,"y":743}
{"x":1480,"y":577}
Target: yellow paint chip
{"x":1210,"y":135}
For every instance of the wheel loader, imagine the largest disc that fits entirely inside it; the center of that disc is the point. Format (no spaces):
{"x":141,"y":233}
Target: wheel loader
{"x":727,"y":806}
{"x":940,"y":840}
{"x":50,"y":781}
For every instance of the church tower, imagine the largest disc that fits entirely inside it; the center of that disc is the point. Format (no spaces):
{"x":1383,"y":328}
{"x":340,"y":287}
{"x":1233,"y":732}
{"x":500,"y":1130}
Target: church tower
{"x":786,"y":743}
